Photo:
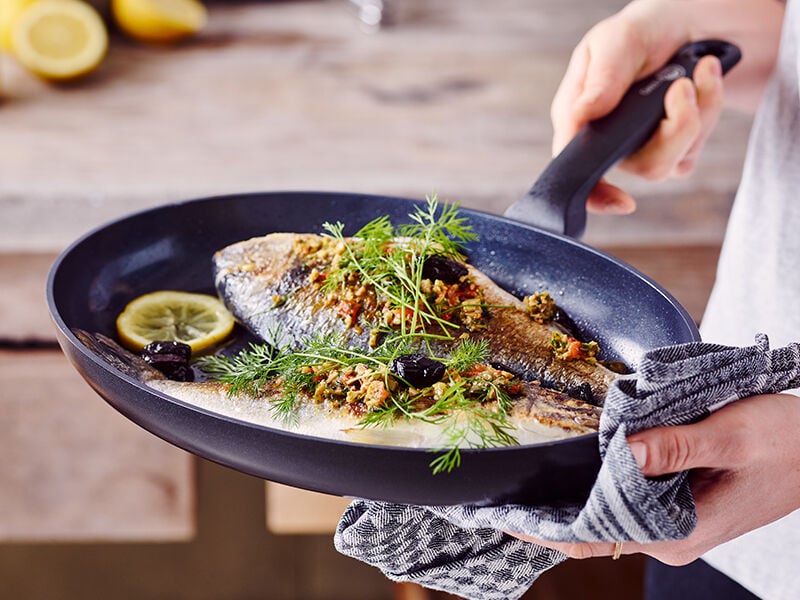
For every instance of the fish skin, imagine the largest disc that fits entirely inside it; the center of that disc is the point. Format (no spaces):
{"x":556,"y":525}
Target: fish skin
{"x":248,"y":272}
{"x":538,"y":415}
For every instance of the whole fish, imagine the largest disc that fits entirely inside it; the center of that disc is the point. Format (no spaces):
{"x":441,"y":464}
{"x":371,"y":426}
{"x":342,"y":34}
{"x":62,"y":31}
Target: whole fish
{"x":275,"y":283}
{"x":537,"y":415}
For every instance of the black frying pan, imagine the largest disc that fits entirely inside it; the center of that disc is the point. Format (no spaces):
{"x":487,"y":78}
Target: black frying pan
{"x":171,"y":247}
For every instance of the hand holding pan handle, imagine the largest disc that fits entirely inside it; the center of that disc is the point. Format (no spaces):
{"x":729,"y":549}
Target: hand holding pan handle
{"x":557,"y":200}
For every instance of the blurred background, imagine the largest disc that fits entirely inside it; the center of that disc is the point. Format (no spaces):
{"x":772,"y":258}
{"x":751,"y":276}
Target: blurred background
{"x":170,"y":100}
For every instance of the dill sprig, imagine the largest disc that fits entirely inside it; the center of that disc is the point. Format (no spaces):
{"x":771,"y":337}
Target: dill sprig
{"x":465,"y":418}
{"x":479,"y":426}
{"x":467,"y":353}
{"x":391,"y":260}
{"x":464,"y":355}
{"x":444,"y":230}
{"x":251,"y":369}
{"x":491,"y":429}
{"x":245,"y":372}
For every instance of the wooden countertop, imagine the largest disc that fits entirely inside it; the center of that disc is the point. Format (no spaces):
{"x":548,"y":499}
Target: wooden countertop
{"x":295,"y":95}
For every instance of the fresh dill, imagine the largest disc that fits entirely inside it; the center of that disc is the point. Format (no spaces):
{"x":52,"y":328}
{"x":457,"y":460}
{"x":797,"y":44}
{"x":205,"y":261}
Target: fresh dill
{"x":391,"y":259}
{"x":297,"y":371}
{"x":480,"y":428}
{"x":446,"y":232}
{"x":245,"y":372}
{"x":467,"y":353}
{"x":469,"y":422}
{"x":473,"y":411}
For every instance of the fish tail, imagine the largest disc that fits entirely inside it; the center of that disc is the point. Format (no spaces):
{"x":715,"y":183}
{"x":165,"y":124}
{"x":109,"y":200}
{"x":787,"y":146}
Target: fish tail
{"x":129,"y":363}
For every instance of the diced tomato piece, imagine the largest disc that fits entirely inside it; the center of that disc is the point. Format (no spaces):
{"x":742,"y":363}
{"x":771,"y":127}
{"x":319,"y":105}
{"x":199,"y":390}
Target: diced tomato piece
{"x":574,"y":350}
{"x":349,"y":309}
{"x":475,"y":370}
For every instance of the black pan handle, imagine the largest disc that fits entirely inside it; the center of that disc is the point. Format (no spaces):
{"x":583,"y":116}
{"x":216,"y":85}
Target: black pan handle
{"x":557,"y":200}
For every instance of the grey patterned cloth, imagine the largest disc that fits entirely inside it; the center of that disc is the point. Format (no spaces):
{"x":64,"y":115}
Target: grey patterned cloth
{"x":462,"y":550}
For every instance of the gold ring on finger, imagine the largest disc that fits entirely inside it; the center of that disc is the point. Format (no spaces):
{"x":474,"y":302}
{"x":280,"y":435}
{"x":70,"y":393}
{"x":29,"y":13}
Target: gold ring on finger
{"x":617,"y":551}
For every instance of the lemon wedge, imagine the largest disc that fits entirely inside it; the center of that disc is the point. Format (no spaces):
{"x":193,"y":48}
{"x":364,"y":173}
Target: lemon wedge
{"x":199,"y":320}
{"x":9,"y":11}
{"x":59,"y":39}
{"x":159,"y":21}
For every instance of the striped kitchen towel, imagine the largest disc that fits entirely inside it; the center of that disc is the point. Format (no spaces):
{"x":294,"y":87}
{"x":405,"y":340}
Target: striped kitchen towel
{"x":462,"y":550}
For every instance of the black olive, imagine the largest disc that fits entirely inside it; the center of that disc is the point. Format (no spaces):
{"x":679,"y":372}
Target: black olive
{"x":171,"y":358}
{"x":417,"y":369}
{"x":176,"y":349}
{"x":444,"y":269}
{"x":176,"y":372}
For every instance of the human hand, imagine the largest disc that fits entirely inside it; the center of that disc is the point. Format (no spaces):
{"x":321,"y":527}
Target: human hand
{"x":745,"y":461}
{"x":613,"y":55}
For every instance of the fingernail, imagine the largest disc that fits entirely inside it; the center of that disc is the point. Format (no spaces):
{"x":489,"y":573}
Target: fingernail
{"x":639,"y":451}
{"x":610,"y":205}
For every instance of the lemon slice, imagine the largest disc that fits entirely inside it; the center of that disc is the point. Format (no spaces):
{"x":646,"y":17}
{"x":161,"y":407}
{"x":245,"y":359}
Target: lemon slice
{"x":159,"y":21}
{"x":198,"y":320}
{"x":59,"y":39}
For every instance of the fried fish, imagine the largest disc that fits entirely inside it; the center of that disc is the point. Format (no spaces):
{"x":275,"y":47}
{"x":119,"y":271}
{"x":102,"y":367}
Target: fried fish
{"x":537,"y":414}
{"x":279,"y":283}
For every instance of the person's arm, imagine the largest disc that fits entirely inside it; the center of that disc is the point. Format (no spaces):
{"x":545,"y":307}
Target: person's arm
{"x":634,"y":43}
{"x":745,"y":458}
{"x":746,"y":474}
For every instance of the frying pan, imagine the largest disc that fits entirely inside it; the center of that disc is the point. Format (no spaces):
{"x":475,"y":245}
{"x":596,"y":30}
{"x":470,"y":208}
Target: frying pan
{"x":171,"y":247}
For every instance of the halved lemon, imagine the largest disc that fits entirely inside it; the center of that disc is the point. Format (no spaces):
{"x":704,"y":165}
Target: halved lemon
{"x":199,"y":320}
{"x":9,"y":10}
{"x":160,"y":21}
{"x":59,"y":39}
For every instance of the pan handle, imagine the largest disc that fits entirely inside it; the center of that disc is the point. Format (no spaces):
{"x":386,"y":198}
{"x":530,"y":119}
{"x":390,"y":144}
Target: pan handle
{"x":557,"y":200}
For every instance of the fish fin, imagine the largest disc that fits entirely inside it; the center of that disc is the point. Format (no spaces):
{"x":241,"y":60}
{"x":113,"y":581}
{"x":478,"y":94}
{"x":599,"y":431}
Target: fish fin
{"x":556,"y":409}
{"x":383,"y":437}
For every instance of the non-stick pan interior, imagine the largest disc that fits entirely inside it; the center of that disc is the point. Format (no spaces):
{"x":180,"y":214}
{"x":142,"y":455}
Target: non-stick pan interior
{"x":171,"y":247}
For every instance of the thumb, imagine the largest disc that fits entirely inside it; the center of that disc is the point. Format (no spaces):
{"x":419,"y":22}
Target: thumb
{"x":667,"y":450}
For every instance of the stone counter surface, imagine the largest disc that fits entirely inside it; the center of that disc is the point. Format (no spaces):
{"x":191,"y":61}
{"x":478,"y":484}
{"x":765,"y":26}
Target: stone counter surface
{"x":453,"y":99}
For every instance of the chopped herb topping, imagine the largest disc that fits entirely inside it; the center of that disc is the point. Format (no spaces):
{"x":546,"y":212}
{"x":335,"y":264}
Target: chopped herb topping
{"x":412,"y":274}
{"x":471,"y":400}
{"x":568,"y":348}
{"x":541,"y":307}
{"x":406,"y":284}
